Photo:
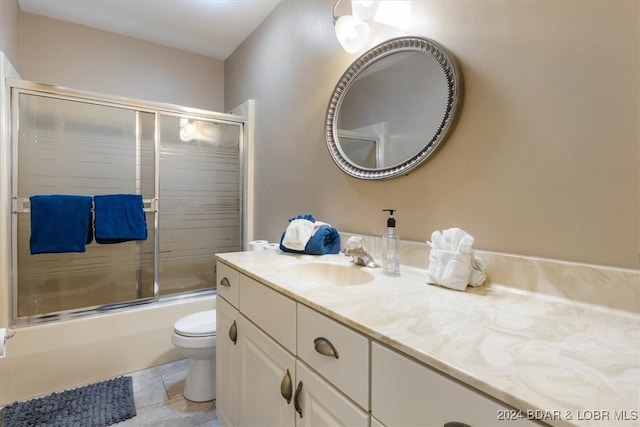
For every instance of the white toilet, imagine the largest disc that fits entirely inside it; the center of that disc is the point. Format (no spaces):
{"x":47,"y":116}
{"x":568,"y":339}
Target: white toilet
{"x":195,"y":337}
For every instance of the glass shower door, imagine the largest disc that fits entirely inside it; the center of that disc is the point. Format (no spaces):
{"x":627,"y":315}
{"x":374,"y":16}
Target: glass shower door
{"x":186,"y":165}
{"x":72,"y":147}
{"x":199,"y":210}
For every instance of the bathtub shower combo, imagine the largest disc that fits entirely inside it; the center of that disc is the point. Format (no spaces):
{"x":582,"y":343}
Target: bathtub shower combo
{"x":185,"y":163}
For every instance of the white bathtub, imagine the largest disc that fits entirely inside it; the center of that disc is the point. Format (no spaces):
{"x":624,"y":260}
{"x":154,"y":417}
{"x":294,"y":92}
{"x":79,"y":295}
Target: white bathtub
{"x":50,"y":357}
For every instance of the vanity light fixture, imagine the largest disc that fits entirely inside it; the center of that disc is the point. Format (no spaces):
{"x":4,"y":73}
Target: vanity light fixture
{"x":353,"y":31}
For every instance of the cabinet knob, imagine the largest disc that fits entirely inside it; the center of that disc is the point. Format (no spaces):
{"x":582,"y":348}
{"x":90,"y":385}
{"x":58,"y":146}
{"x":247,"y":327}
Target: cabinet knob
{"x":233,"y":332}
{"x":296,"y":399}
{"x":225,"y":282}
{"x":324,"y":347}
{"x":286,"y":387}
{"x":456,"y":424}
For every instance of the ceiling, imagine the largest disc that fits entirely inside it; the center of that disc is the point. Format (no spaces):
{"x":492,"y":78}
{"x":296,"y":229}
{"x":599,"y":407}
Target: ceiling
{"x":214,"y":28}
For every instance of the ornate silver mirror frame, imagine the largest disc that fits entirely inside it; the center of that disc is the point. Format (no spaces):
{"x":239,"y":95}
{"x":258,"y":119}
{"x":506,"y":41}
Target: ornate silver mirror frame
{"x":442,"y":118}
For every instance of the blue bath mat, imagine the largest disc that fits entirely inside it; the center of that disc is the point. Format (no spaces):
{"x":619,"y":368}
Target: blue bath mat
{"x":95,"y":405}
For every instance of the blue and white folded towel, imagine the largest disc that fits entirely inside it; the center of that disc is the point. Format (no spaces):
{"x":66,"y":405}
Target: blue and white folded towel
{"x":60,"y":223}
{"x":305,"y":235}
{"x":452,"y":263}
{"x":119,"y":218}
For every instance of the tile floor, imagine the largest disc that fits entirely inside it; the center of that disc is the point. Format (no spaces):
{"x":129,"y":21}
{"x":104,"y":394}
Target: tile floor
{"x":159,"y":402}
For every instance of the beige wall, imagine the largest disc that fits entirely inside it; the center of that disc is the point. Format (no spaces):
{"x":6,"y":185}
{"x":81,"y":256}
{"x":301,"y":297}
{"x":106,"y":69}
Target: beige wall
{"x":544,"y":160}
{"x":9,"y":30}
{"x":82,"y":58}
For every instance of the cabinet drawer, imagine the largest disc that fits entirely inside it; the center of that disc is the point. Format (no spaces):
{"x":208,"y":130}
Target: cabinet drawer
{"x":407,"y":393}
{"x":271,"y":311}
{"x":228,"y":283}
{"x":349,"y":371}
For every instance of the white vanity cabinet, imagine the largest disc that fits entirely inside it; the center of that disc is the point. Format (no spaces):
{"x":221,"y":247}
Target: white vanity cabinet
{"x":261,"y":381}
{"x":255,"y":375}
{"x":282,"y":363}
{"x":267,"y":356}
{"x":407,"y":393}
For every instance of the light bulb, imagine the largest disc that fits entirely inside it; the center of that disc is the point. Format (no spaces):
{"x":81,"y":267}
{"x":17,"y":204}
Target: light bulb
{"x":352,"y":33}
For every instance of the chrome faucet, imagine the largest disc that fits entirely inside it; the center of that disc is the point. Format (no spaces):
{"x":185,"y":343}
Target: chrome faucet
{"x":355,"y":250}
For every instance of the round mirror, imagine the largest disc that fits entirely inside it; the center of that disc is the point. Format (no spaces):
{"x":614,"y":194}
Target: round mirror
{"x":393,"y":107}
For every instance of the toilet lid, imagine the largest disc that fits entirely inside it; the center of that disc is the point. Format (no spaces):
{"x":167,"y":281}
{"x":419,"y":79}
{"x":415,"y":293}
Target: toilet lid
{"x":198,"y":324}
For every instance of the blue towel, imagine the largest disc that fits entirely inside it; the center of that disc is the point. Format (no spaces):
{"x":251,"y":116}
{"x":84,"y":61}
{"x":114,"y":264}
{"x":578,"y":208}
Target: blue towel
{"x":326,"y":240}
{"x":119,"y":218}
{"x":60,"y":223}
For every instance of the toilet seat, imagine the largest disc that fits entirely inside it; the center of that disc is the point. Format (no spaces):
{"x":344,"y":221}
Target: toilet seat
{"x":201,"y":324}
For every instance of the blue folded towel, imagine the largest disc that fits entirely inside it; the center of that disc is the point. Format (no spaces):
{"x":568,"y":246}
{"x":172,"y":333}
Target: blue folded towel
{"x":325,"y":239}
{"x":119,"y":218}
{"x":60,"y":223}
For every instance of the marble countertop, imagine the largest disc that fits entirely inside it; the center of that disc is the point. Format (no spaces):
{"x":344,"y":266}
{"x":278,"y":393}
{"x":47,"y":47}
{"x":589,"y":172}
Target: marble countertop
{"x":577,"y":363}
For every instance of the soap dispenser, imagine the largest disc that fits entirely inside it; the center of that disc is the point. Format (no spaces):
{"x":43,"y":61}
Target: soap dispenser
{"x":391,"y":247}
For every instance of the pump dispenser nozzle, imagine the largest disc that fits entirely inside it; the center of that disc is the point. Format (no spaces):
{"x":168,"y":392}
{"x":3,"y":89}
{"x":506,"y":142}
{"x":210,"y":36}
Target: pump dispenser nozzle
{"x":391,"y":221}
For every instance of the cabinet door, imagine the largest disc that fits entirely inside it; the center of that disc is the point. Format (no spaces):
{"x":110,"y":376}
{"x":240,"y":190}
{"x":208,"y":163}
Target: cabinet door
{"x":321,"y":404}
{"x":226,"y":363}
{"x":407,"y":393}
{"x":265,"y":370}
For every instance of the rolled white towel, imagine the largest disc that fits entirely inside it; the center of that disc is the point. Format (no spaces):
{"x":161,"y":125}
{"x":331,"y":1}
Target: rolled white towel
{"x":449,"y":269}
{"x":297,"y":234}
{"x":452,"y":263}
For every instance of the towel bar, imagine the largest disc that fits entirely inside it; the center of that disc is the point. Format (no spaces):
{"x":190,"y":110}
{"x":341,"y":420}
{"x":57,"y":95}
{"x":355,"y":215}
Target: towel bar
{"x":22,"y":205}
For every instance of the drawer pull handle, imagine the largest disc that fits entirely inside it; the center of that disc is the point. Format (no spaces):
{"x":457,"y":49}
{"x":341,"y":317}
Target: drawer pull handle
{"x":225,"y":282}
{"x":286,"y":388}
{"x":233,"y":333}
{"x":296,"y":399}
{"x":456,"y":424}
{"x":324,"y":347}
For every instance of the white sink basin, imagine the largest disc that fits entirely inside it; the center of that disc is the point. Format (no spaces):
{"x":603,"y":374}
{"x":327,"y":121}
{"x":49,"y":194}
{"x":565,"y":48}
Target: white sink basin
{"x":327,"y":274}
